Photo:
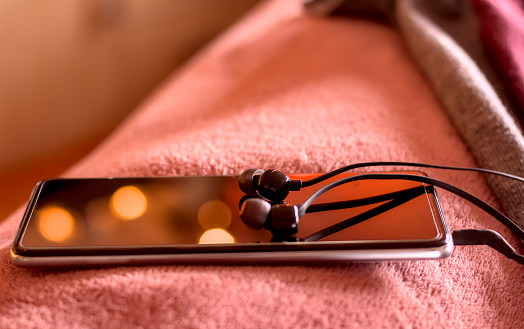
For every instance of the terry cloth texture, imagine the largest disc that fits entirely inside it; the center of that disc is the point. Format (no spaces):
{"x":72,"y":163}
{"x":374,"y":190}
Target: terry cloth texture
{"x":285,"y":90}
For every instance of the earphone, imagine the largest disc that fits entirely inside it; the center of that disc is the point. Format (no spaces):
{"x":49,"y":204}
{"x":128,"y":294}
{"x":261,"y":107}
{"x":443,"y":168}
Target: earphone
{"x":262,"y":183}
{"x":282,"y":219}
{"x":264,"y":206}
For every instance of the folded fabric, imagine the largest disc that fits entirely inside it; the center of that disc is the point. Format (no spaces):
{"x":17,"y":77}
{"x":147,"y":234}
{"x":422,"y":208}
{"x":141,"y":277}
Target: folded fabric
{"x":502,"y":30}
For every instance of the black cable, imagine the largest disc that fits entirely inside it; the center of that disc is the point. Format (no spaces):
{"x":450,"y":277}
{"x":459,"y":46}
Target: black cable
{"x":488,"y":238}
{"x":400,"y":199}
{"x":302,"y":208}
{"x":460,"y":237}
{"x":495,"y":240}
{"x":333,"y":173}
{"x":317,"y":207}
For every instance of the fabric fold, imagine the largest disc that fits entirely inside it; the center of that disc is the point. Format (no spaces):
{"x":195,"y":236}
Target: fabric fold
{"x":471,"y":103}
{"x":502,"y":31}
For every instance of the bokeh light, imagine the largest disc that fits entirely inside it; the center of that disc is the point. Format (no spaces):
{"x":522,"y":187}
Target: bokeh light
{"x":55,"y":223}
{"x":214,"y":214}
{"x":128,"y":202}
{"x":216,"y":235}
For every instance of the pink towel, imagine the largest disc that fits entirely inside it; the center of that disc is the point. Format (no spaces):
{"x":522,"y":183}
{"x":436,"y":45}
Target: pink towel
{"x":282,"y":90}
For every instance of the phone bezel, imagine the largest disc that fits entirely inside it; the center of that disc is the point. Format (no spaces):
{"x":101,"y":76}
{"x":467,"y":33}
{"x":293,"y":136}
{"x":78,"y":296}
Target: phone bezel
{"x":440,"y":246}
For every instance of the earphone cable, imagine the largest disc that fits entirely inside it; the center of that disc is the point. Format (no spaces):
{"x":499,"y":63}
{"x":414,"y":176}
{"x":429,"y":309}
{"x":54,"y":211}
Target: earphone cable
{"x":364,"y":201}
{"x":400,"y":199}
{"x":333,"y":173}
{"x":302,"y":208}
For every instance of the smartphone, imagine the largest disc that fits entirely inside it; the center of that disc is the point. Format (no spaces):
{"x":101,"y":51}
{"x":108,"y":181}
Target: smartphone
{"x":195,"y":220}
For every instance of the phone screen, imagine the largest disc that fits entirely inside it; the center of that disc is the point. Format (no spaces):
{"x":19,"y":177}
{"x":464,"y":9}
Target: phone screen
{"x":201,"y":214}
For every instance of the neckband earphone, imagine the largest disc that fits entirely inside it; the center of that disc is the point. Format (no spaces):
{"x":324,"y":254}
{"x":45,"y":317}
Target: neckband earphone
{"x":264,"y":206}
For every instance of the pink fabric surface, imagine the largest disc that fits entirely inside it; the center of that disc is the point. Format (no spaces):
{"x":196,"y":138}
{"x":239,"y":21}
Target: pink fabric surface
{"x":282,"y":90}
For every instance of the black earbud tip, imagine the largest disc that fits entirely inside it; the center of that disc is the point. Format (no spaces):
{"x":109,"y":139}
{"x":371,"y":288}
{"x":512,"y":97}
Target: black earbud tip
{"x":284,"y":219}
{"x":248,"y":179}
{"x":254,"y":212}
{"x":273,"y":185}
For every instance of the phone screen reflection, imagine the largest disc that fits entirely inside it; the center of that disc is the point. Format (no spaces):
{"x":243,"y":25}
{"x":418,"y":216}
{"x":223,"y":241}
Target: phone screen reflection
{"x":200,"y":210}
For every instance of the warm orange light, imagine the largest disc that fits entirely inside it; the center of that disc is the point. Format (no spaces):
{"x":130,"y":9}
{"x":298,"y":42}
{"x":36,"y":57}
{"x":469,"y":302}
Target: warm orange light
{"x":216,"y":235}
{"x":128,"y":202}
{"x":55,"y":223}
{"x":214,"y":214}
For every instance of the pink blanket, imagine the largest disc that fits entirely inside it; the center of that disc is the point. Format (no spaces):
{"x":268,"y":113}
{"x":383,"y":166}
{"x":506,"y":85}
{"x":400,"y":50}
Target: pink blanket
{"x":300,"y":94}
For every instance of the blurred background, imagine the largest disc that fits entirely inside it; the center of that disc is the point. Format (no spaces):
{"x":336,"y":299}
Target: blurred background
{"x":70,"y":71}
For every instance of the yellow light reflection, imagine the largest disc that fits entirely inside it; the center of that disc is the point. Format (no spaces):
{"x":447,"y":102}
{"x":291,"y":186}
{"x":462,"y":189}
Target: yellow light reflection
{"x":214,"y":214}
{"x":216,"y":235}
{"x":128,"y":202}
{"x":55,"y":223}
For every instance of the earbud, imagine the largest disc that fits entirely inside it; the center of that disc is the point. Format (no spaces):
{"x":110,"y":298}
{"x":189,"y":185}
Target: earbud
{"x":248,"y":181}
{"x":254,"y":212}
{"x":270,"y":184}
{"x":281,"y":219}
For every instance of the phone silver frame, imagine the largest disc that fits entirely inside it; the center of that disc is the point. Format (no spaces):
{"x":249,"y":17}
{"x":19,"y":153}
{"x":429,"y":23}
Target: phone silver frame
{"x":273,"y":257}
